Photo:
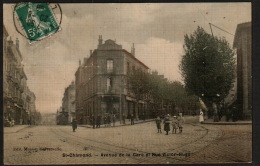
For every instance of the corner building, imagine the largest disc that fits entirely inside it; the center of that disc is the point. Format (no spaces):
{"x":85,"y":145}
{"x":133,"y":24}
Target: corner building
{"x":101,"y":83}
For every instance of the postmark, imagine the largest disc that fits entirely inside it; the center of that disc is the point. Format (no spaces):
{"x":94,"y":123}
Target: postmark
{"x":36,"y":21}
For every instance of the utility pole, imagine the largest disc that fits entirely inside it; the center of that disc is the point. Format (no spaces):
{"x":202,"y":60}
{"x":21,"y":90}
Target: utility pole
{"x":211,"y":29}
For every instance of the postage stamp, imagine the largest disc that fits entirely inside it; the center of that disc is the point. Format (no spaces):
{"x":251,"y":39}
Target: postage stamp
{"x":37,"y":20}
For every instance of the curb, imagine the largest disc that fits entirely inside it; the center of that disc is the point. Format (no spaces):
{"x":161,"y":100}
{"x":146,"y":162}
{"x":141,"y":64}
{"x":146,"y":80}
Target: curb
{"x":227,"y":123}
{"x":90,"y":126}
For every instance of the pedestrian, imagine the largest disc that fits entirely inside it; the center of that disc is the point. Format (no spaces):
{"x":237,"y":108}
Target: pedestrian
{"x":180,"y":122}
{"x":167,"y":122}
{"x":74,"y":124}
{"x":123,"y":119}
{"x":132,"y":119}
{"x":158,"y":124}
{"x":105,"y":120}
{"x":108,"y":120}
{"x":114,"y":120}
{"x":98,"y":121}
{"x":175,"y":125}
{"x":12,"y":122}
{"x":93,"y":121}
{"x":201,"y":120}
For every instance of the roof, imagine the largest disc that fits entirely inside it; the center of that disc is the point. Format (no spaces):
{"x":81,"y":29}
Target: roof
{"x":128,"y":53}
{"x":240,"y":27}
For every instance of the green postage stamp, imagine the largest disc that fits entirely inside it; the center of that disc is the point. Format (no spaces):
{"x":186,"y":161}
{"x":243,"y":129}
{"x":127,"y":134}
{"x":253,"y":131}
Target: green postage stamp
{"x":36,"y":19}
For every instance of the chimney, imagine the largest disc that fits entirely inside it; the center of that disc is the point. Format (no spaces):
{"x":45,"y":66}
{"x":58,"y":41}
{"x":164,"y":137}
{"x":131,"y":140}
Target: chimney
{"x":133,"y":50}
{"x":10,"y":42}
{"x":17,"y":43}
{"x":79,"y":62}
{"x":100,"y":40}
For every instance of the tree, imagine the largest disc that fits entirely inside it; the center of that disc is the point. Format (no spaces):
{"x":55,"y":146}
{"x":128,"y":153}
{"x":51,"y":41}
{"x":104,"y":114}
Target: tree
{"x":170,"y":93}
{"x":208,"y":67}
{"x":138,"y":81}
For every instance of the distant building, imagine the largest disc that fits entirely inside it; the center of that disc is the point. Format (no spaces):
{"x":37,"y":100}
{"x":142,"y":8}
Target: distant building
{"x":243,"y":45}
{"x":101,"y":83}
{"x":68,"y":101}
{"x":49,"y":119}
{"x":66,"y":113}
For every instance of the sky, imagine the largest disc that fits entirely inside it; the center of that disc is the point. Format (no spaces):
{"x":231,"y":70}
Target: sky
{"x":157,"y":29}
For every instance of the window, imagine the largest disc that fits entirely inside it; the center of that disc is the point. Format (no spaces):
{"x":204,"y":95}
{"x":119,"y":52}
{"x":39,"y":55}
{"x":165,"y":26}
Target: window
{"x":109,"y":83}
{"x":110,"y":64}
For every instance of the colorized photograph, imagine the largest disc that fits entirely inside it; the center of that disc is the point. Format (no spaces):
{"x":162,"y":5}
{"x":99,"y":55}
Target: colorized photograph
{"x":127,"y":83}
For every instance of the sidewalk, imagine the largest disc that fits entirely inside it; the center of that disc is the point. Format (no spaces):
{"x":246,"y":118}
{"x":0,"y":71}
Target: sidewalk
{"x":222,"y":122}
{"x":14,"y":129}
{"x":117,"y":124}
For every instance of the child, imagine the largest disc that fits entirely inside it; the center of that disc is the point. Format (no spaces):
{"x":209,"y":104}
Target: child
{"x":167,"y":122}
{"x":158,"y":124}
{"x":180,"y":122}
{"x":175,"y":125}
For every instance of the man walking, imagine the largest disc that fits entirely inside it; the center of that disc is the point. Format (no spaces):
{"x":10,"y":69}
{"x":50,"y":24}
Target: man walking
{"x":98,"y":121}
{"x":74,"y":124}
{"x":132,"y":119}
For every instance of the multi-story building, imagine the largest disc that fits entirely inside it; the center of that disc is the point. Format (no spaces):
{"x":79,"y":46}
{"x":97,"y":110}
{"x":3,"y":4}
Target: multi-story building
{"x":243,"y":45}
{"x":101,"y":83}
{"x":14,"y":82}
{"x":31,"y":108}
{"x":68,"y":102}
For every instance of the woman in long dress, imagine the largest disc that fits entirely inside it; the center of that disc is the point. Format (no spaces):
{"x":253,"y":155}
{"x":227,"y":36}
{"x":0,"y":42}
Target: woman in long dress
{"x":167,"y":123}
{"x":201,"y":120}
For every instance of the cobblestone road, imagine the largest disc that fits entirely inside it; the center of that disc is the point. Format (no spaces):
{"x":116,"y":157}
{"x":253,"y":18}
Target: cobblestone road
{"x":136,"y":144}
{"x":235,"y":145}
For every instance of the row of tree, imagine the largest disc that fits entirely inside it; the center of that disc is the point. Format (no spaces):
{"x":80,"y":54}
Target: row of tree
{"x":165,"y":96}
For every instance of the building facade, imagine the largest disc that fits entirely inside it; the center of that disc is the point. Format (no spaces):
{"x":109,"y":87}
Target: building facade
{"x":101,"y":83}
{"x":243,"y":45}
{"x":16,"y":103}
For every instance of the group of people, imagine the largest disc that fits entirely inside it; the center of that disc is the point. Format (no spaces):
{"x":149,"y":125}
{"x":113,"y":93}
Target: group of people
{"x":96,"y":122}
{"x":108,"y":119}
{"x":176,"y":122}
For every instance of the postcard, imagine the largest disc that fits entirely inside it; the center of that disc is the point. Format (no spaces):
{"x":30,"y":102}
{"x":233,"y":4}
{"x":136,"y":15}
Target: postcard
{"x":127,"y":83}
